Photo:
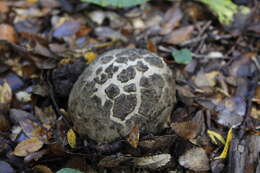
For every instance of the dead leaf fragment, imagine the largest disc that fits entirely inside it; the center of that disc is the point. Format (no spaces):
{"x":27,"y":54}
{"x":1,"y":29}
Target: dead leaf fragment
{"x":71,"y":137}
{"x":3,"y":7}
{"x":231,"y":111}
{"x":195,"y":159}
{"x":206,"y":79}
{"x":42,"y":169}
{"x":8,"y":33}
{"x":133,"y":138}
{"x":4,"y":123}
{"x":187,"y":130}
{"x":153,"y":162}
{"x":5,"y":95}
{"x":28,"y":146}
{"x":180,"y":35}
{"x":90,"y":57}
{"x":171,"y":19}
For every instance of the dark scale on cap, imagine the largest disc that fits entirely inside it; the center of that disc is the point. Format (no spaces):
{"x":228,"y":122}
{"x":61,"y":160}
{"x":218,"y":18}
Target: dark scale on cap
{"x":144,"y":82}
{"x":106,"y":59}
{"x":122,"y":110}
{"x":157,"y":80}
{"x":130,"y":88}
{"x":154,"y":60}
{"x":110,"y":70}
{"x":121,"y":59}
{"x":149,"y":98}
{"x":99,"y":70}
{"x":112,"y":91}
{"x":101,"y":79}
{"x":140,"y":66}
{"x":142,"y":51}
{"x":126,"y":74}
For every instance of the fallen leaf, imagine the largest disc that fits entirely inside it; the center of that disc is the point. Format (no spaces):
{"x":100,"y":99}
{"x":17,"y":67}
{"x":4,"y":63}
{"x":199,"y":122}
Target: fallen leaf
{"x":186,"y":130}
{"x":206,"y":79}
{"x":4,"y":123}
{"x":153,"y":162}
{"x":90,"y":57}
{"x":8,"y":33}
{"x":179,"y":35}
{"x":195,"y":159}
{"x":3,"y":7}
{"x":133,"y":138}
{"x":71,"y":137}
{"x":41,"y":169}
{"x":28,"y":146}
{"x":5,"y":96}
{"x":171,"y":19}
{"x":224,"y":153}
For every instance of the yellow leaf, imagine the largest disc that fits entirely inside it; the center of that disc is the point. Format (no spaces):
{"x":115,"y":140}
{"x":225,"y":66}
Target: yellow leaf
{"x":90,"y":56}
{"x":42,"y":169}
{"x":224,"y":153}
{"x":214,"y":135}
{"x":133,"y":138}
{"x":5,"y":93}
{"x":28,"y":146}
{"x":71,"y":137}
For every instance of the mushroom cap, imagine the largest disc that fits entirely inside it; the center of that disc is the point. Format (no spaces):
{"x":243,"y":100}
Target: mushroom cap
{"x":120,"y":89}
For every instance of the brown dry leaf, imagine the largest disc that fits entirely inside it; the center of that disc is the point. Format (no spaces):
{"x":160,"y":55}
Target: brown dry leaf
{"x":71,"y":137}
{"x":3,"y":7}
{"x":206,"y":79}
{"x":157,"y":142}
{"x":112,"y":161}
{"x":42,"y":169}
{"x":187,"y":130}
{"x":5,"y":96}
{"x":133,"y":138}
{"x":231,"y":111}
{"x":171,"y":19}
{"x":153,"y":162}
{"x":28,"y":146}
{"x":195,"y":159}
{"x":255,"y":113}
{"x":35,"y":156}
{"x":151,"y":46}
{"x":8,"y":33}
{"x":4,"y":123}
{"x":46,"y":115}
{"x":243,"y":66}
{"x":179,"y":35}
{"x":257,"y":95}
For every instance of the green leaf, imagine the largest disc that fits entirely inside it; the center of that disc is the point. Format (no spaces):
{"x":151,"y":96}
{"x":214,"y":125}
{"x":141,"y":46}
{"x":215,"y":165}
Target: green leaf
{"x":68,"y":170}
{"x":182,"y":56}
{"x":116,"y":3}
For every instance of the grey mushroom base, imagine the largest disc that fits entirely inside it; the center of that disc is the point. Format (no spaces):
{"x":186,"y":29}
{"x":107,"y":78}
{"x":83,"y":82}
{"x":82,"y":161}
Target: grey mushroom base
{"x":120,"y":89}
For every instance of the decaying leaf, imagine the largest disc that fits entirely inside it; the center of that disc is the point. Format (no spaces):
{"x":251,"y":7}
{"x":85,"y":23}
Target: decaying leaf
{"x":5,"y":95}
{"x":4,"y":123}
{"x":231,"y":111}
{"x":6,"y":167}
{"x":180,"y":35}
{"x":71,"y":137}
{"x":133,"y":138}
{"x":187,"y":130}
{"x":8,"y":33}
{"x":42,"y":169}
{"x":206,"y":79}
{"x":114,"y":161}
{"x":195,"y":159}
{"x":153,"y":162}
{"x":28,"y":146}
{"x":157,"y":142}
